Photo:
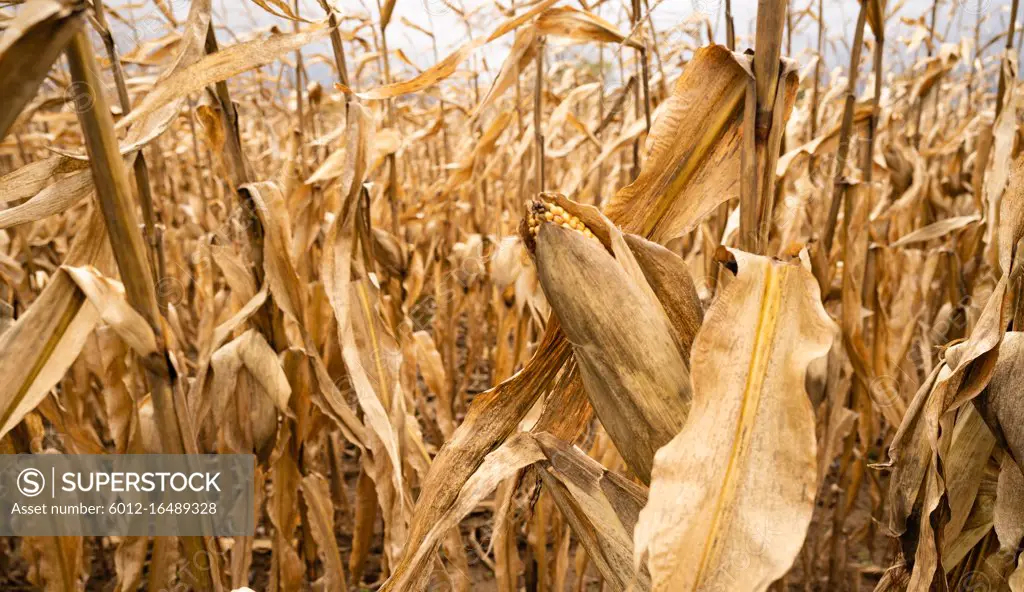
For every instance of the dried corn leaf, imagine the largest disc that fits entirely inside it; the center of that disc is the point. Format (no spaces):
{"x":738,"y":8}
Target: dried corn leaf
{"x":965,"y":372}
{"x":739,"y":480}
{"x":251,"y":351}
{"x":580,"y":25}
{"x":317,"y":494}
{"x":278,"y":8}
{"x":158,"y":108}
{"x":692,"y":160}
{"x":516,"y":22}
{"x":968,"y":367}
{"x":107,"y":297}
{"x":27,"y":181}
{"x":428,"y":77}
{"x":602,"y":508}
{"x":514,"y":454}
{"x":524,"y":50}
{"x":491,"y":419}
{"x":936,"y":230}
{"x":30,"y":44}
{"x":37,"y":350}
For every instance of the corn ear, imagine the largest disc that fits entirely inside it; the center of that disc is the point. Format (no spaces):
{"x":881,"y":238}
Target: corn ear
{"x":623,"y":342}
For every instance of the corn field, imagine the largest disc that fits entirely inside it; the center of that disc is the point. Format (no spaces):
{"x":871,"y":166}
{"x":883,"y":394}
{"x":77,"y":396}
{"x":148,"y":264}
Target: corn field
{"x":579,"y":296}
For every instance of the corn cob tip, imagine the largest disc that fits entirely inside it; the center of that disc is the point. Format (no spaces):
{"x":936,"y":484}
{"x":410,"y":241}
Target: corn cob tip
{"x":540,"y":212}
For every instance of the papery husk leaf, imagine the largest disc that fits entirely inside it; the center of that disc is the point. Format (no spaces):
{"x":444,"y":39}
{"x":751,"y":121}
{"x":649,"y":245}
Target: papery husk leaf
{"x":739,"y":480}
{"x":1011,"y":215}
{"x":978,"y":523}
{"x":567,"y":411}
{"x":1000,"y":403}
{"x":969,"y":451}
{"x":632,"y":369}
{"x":1008,"y":516}
{"x":668,"y":276}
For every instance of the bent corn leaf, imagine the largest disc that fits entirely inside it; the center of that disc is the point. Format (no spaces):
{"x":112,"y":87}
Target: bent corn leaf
{"x":738,"y":482}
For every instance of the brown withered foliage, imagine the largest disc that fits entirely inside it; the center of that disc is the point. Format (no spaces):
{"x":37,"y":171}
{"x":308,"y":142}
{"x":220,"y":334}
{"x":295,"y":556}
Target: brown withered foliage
{"x":638,"y":308}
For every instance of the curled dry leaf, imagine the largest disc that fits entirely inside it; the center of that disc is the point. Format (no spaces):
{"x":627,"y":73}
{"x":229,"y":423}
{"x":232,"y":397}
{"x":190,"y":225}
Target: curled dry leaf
{"x":428,"y":77}
{"x":580,"y":25}
{"x":692,"y":159}
{"x":30,"y":44}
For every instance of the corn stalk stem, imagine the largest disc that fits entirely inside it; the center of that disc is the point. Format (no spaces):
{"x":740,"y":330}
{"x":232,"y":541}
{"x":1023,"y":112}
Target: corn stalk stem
{"x":771,"y":21}
{"x":662,"y":84}
{"x":115,"y":201}
{"x":869,"y":152}
{"x":337,"y":48}
{"x":920,"y":104}
{"x":843,"y":150}
{"x":141,"y":169}
{"x":748,"y":172}
{"x":1010,"y":30}
{"x":816,"y":91}
{"x":641,"y":55}
{"x":392,"y":187}
{"x":730,"y":28}
{"x":721,"y":216}
{"x":756,"y":196}
{"x":538,"y":116}
{"x":300,"y":113}
{"x":974,"y":59}
{"x":241,"y":175}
